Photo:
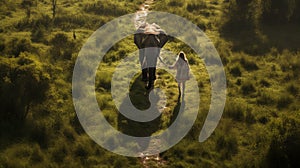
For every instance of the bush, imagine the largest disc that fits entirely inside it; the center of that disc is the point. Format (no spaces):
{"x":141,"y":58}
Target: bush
{"x":236,"y":71}
{"x":284,"y":147}
{"x":2,"y":45}
{"x":265,"y":98}
{"x":234,"y":110}
{"x":224,"y":50}
{"x":26,"y":3}
{"x":37,"y":155}
{"x":37,"y":34}
{"x":247,"y":88}
{"x":227,"y":146}
{"x":293,"y":89}
{"x":263,"y":120}
{"x":284,"y":101}
{"x":16,"y":46}
{"x":42,"y":21}
{"x":196,"y":6}
{"x":248,"y":65}
{"x":62,"y":48}
{"x":104,"y":80}
{"x":249,"y":118}
{"x":265,"y":83}
{"x":21,"y":77}
{"x":81,"y":151}
{"x":41,"y":135}
{"x":175,"y":3}
{"x":60,"y":152}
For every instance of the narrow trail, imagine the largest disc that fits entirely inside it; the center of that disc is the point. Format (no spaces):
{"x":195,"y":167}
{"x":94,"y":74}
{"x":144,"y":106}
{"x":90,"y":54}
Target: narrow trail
{"x":146,"y":159}
{"x":142,"y":13}
{"x":141,"y":18}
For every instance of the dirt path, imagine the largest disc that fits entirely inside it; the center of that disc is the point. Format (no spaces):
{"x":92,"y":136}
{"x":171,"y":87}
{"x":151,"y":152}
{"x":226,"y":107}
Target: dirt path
{"x":142,"y":13}
{"x":146,"y":159}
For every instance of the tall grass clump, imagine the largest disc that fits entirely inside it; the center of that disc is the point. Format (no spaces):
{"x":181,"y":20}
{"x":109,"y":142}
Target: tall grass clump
{"x":234,"y":110}
{"x":265,"y":98}
{"x":196,"y":6}
{"x":247,"y":87}
{"x":293,"y":89}
{"x":236,"y":71}
{"x":227,"y":146}
{"x":248,"y":64}
{"x":284,"y":100}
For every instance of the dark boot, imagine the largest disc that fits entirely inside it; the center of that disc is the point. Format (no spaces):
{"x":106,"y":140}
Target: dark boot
{"x":150,"y":85}
{"x":152,"y":75}
{"x":145,"y":74}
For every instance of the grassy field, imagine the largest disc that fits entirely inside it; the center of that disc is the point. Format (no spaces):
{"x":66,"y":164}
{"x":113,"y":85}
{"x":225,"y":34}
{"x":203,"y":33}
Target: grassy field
{"x":260,"y":126}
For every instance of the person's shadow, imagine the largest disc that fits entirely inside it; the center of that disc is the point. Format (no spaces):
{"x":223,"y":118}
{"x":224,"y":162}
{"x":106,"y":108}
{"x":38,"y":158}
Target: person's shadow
{"x":140,"y":99}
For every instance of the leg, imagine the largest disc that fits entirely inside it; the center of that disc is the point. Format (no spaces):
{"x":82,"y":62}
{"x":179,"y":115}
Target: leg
{"x":145,"y":74}
{"x":143,"y":65}
{"x":179,"y":90}
{"x":183,"y":88}
{"x":152,"y":77}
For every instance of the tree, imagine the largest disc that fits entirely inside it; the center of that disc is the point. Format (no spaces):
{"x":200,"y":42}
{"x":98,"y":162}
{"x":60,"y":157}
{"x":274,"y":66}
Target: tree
{"x":23,"y":83}
{"x":54,"y":5}
{"x":62,"y":47}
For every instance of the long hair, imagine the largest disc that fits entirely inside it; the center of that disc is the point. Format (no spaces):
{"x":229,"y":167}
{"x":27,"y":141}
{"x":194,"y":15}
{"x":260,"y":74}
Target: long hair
{"x":182,"y":56}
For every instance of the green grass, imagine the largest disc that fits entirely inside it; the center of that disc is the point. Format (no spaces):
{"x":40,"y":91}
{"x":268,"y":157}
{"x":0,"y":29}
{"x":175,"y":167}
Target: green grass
{"x":260,"y":123}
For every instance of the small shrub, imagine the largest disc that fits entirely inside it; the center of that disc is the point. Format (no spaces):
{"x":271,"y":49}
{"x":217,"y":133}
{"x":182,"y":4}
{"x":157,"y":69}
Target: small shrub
{"x":234,"y":111}
{"x":81,"y":151}
{"x":26,"y":3}
{"x":284,"y":101}
{"x":59,"y":40}
{"x":104,"y":80}
{"x":238,"y":82}
{"x":16,"y":46}
{"x":247,"y":88}
{"x":69,"y":134}
{"x":264,"y":83}
{"x":175,"y":3}
{"x":60,"y":152}
{"x":61,"y":48}
{"x":227,"y":146}
{"x":42,"y":21}
{"x":37,"y":155}
{"x":40,"y":134}
{"x":74,"y":121}
{"x":236,"y":71}
{"x":224,"y":50}
{"x":249,"y":117}
{"x":263,"y":120}
{"x":121,"y":162}
{"x":265,"y":98}
{"x":196,"y":6}
{"x":38,"y":34}
{"x":293,"y":89}
{"x":2,"y":46}
{"x":248,"y":65}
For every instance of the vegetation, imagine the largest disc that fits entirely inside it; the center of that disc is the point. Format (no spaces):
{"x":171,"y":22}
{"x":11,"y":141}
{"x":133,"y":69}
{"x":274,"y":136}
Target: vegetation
{"x":256,"y":40}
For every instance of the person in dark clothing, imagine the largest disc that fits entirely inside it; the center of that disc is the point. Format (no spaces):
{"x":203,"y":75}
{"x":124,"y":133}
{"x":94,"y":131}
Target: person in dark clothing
{"x":149,"y":38}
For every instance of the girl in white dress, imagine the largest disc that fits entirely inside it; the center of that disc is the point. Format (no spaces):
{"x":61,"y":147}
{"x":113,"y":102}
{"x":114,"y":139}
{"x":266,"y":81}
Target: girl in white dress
{"x":183,"y":71}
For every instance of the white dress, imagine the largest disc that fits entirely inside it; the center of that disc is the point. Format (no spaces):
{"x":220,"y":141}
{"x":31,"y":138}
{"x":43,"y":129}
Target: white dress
{"x":183,"y":71}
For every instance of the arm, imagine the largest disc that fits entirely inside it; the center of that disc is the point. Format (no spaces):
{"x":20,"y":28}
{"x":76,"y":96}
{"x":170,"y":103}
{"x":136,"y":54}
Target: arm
{"x":138,"y":40}
{"x":174,"y":66}
{"x":163,"y":39}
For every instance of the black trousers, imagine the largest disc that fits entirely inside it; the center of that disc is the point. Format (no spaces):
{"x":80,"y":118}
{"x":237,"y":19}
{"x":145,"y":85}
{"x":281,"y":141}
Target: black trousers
{"x":148,"y":74}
